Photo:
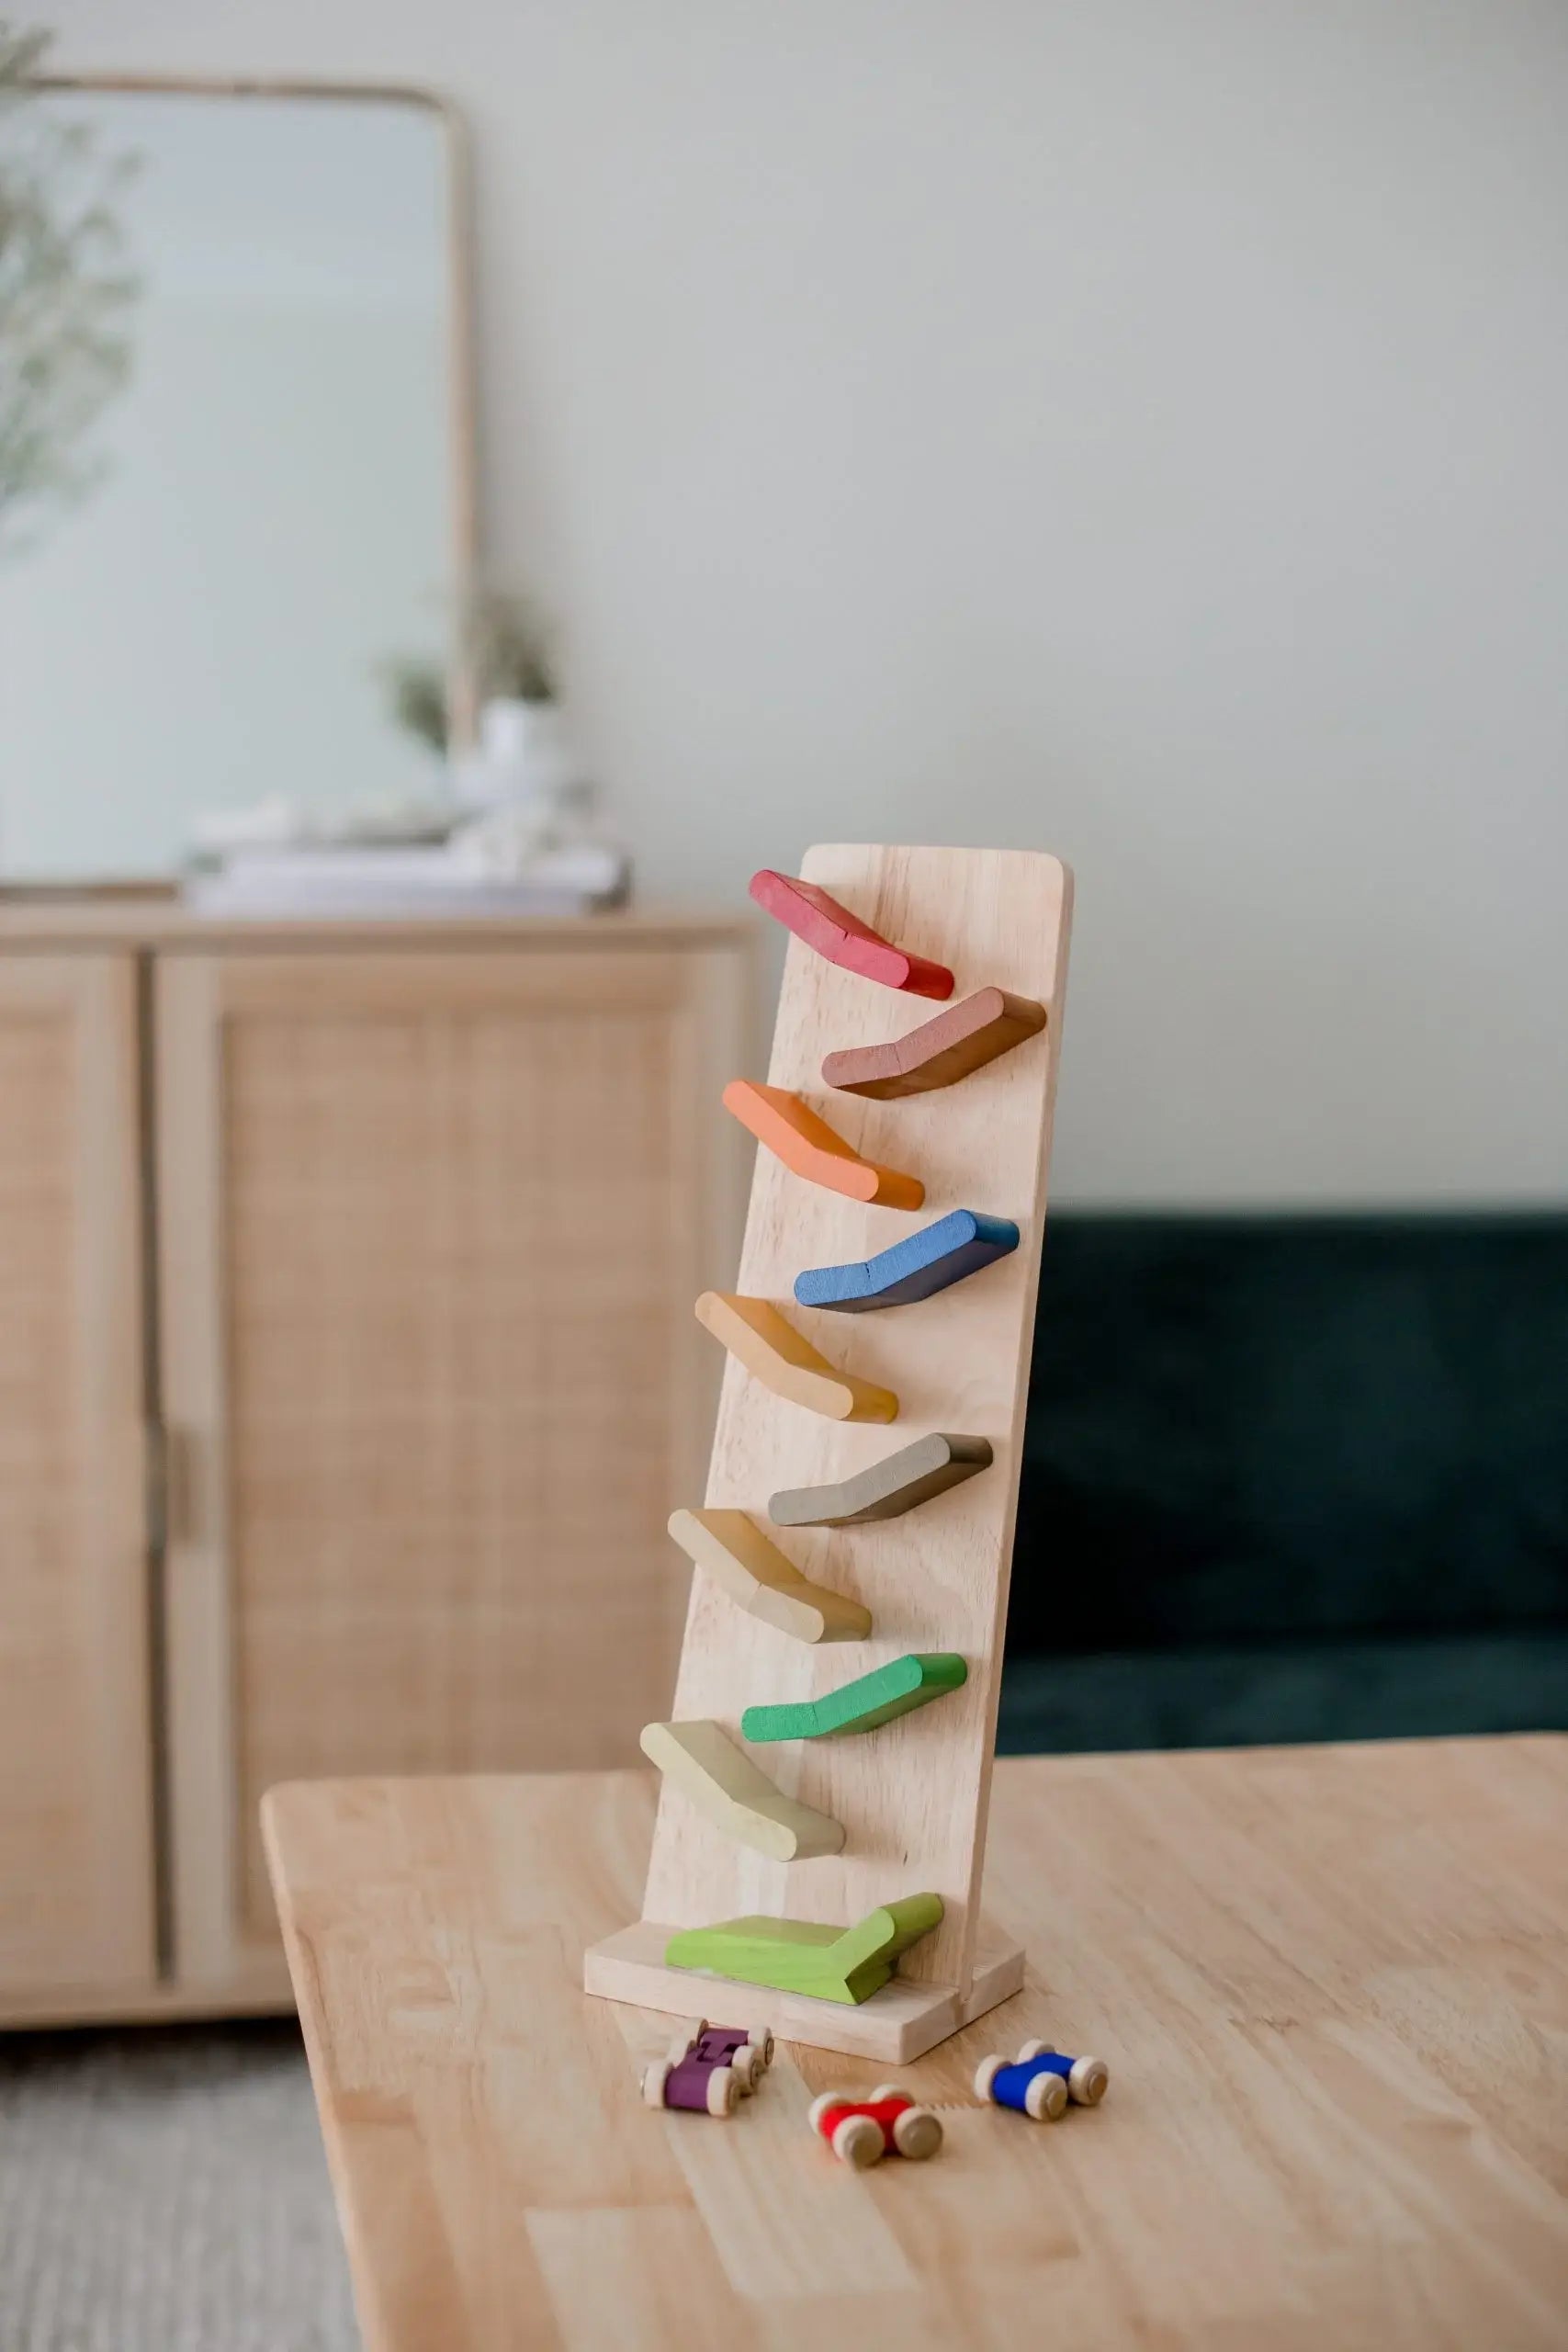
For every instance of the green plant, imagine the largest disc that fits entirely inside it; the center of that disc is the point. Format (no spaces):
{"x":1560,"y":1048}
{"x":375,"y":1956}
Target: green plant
{"x":507,"y":648}
{"x":65,"y":298}
{"x":510,"y":646}
{"x":416,"y":689}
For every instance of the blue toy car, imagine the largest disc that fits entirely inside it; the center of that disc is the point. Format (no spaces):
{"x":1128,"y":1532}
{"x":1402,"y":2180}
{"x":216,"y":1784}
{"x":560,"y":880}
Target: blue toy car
{"x":1040,"y":2081}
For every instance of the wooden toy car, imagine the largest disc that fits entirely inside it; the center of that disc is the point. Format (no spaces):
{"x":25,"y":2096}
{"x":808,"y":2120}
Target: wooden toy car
{"x":726,"y":2045}
{"x":1040,"y":2081}
{"x":861,"y":2132}
{"x":709,"y":2068}
{"x":1088,"y":2079}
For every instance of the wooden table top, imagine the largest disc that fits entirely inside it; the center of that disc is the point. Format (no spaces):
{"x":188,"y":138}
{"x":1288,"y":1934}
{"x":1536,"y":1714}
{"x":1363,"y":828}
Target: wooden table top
{"x":1331,"y":1985}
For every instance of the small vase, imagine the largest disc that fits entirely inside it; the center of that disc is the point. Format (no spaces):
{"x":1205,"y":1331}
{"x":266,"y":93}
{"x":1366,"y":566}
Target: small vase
{"x":523,"y":756}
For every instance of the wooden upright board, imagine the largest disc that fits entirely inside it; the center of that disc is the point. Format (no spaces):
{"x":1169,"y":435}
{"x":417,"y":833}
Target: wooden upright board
{"x":912,"y":1795}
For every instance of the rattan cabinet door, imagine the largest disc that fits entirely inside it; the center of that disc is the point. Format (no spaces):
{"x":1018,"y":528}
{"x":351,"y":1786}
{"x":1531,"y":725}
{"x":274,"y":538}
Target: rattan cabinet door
{"x":433,"y":1223}
{"x":76,"y":1862}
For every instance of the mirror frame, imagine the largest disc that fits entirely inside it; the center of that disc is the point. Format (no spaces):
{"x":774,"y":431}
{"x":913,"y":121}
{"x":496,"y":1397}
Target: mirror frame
{"x":462,"y":375}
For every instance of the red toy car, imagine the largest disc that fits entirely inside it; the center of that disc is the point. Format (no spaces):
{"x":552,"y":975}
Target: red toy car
{"x":861,"y":2132}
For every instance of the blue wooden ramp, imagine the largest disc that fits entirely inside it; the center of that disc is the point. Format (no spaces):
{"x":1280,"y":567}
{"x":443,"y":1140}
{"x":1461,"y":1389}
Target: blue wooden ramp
{"x":926,"y":1261}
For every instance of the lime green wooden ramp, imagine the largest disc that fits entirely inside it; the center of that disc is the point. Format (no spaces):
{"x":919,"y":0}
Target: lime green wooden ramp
{"x":799,"y":1956}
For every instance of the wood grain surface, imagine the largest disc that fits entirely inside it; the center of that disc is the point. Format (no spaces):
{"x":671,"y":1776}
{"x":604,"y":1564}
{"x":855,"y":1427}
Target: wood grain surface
{"x":912,"y":1799}
{"x":1331,"y":1986}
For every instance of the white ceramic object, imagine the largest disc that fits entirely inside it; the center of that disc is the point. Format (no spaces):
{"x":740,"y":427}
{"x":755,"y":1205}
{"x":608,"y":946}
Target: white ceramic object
{"x":524,"y":758}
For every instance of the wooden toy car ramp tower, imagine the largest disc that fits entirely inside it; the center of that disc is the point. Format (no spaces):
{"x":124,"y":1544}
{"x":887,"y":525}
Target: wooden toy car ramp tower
{"x":821,"y":1830}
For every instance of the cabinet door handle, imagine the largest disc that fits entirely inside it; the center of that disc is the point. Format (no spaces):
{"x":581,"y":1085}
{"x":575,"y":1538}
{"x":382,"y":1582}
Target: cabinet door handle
{"x":178,"y":1457}
{"x":156,"y":1458}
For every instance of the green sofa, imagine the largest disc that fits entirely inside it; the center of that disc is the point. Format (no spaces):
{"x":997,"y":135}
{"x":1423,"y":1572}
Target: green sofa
{"x":1291,"y":1478}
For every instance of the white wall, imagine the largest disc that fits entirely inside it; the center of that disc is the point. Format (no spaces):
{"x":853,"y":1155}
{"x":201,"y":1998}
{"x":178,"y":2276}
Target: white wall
{"x":1131,"y":427}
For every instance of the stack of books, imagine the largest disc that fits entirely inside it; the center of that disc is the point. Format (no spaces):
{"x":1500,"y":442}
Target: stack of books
{"x":439,"y":860}
{"x":398,"y":882}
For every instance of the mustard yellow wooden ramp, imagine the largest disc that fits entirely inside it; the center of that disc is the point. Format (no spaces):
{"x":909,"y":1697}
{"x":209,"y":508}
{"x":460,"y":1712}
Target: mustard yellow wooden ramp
{"x":740,"y":1559}
{"x":775,"y":1353}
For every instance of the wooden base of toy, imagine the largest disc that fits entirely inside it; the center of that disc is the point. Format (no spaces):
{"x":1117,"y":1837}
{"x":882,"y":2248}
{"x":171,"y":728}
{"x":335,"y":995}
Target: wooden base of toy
{"x":900,"y":2023}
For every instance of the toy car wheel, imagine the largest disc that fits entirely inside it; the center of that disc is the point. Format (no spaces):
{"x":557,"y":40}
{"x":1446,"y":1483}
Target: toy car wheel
{"x":764,"y":2043}
{"x":748,"y":2067}
{"x":986,"y":2073}
{"x":888,"y":2090}
{"x":858,"y":2142}
{"x":654,"y":2078}
{"x":1034,"y":2050}
{"x":1045,"y":2097}
{"x":822,"y":2102}
{"x":1088,"y":2081}
{"x":724,"y":2091}
{"x":918,"y":2133}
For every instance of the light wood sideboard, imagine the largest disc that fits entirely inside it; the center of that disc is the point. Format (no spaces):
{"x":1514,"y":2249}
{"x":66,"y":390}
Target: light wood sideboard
{"x":348,"y":1374}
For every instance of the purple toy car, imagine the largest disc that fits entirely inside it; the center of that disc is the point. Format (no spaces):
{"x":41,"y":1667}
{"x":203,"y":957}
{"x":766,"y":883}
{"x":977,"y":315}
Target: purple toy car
{"x":709,"y":2068}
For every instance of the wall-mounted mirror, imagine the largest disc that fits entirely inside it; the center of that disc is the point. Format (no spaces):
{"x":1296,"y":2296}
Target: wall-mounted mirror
{"x":278,"y":497}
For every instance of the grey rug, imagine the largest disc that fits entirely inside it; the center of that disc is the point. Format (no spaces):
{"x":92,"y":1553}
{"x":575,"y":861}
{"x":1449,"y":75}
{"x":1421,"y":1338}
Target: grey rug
{"x":165,"y":2192}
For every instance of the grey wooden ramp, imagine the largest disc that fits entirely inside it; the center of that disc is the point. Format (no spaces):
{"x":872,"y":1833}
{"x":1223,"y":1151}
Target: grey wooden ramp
{"x":887,"y":1488}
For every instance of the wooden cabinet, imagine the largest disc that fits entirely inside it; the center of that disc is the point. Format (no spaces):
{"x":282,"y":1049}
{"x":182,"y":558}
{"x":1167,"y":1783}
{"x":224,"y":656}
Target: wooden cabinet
{"x":76,"y":1856}
{"x":426,"y":1215}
